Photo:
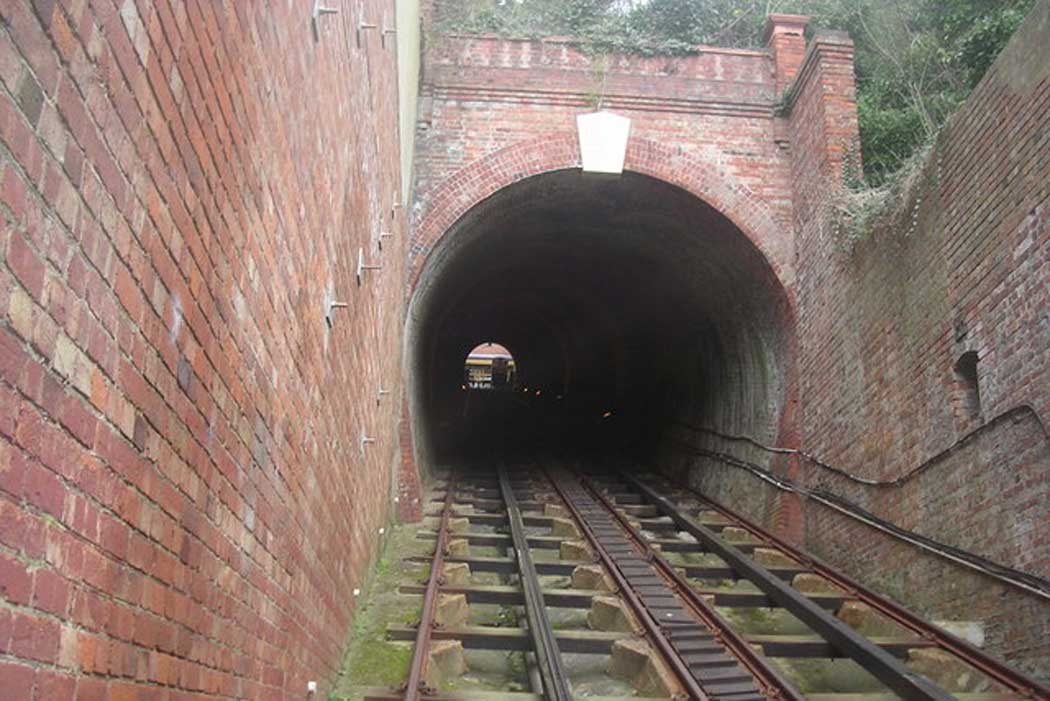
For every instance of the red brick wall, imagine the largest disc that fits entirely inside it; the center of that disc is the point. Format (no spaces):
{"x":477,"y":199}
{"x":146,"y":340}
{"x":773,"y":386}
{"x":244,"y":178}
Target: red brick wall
{"x":713,"y":111}
{"x":184,"y":503}
{"x":883,"y":320}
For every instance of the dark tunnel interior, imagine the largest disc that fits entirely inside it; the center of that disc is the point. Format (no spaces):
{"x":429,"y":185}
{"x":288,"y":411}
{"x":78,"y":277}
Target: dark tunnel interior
{"x":628,"y":305}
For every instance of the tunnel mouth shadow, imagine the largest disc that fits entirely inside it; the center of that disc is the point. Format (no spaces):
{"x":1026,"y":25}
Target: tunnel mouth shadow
{"x":631,"y":305}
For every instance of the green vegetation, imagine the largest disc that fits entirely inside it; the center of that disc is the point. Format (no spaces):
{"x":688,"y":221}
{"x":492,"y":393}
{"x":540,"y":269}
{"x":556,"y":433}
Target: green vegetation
{"x":917,"y":60}
{"x":371,"y":660}
{"x":381,"y":664}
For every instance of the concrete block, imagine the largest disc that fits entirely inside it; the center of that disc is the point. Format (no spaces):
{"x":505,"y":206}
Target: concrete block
{"x":446,"y":661}
{"x":770,"y":557}
{"x":555,"y":510}
{"x":609,"y":614}
{"x":458,"y":525}
{"x":856,"y":615}
{"x":458,"y":547}
{"x":638,"y":664}
{"x":564,"y":528}
{"x":457,"y":574}
{"x":591,"y":577}
{"x":574,"y":550}
{"x":809,"y":583}
{"x":733,"y":534}
{"x":628,"y":658}
{"x":710,"y":516}
{"x":452,"y":611}
{"x":947,"y":671}
{"x":866,"y":620}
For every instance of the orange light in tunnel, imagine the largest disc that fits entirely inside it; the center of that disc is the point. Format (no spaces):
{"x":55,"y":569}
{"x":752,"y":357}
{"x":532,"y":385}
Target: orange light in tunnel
{"x":606,"y":414}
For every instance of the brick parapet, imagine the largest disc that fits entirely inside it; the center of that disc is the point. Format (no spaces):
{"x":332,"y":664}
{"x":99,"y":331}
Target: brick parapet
{"x":709,"y":113}
{"x":786,"y":37}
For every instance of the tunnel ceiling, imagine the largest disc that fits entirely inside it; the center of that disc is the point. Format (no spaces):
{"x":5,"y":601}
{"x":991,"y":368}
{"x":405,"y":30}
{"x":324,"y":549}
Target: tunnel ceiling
{"x":620,"y":294}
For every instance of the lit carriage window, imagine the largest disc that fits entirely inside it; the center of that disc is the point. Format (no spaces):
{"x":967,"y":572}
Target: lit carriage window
{"x":489,"y":366}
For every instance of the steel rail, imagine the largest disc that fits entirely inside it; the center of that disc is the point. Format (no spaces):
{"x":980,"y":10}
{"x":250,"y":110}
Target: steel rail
{"x":414,"y":686}
{"x":771,"y":682}
{"x":889,"y":670}
{"x":555,"y":679}
{"x":652,"y":628}
{"x":971,"y":655}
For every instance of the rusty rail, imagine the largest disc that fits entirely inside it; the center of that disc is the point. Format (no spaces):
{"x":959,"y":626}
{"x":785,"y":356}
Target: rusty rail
{"x":976,"y":658}
{"x":770,"y":681}
{"x":652,"y":628}
{"x":414,"y":687}
{"x":555,"y":679}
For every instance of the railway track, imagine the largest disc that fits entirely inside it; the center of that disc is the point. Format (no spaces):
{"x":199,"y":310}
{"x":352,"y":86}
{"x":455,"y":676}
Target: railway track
{"x":637,"y":532}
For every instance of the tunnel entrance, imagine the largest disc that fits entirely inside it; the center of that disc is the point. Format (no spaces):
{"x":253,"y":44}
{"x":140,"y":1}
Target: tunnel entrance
{"x":630,"y":304}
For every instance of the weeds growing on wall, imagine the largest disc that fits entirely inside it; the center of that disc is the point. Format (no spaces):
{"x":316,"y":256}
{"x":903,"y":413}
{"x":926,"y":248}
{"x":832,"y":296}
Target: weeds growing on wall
{"x":916,"y":60}
{"x":856,"y":210}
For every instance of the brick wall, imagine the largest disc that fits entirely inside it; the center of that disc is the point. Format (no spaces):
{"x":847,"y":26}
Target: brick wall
{"x":185,"y":506}
{"x":885,"y":316}
{"x":484,"y":95}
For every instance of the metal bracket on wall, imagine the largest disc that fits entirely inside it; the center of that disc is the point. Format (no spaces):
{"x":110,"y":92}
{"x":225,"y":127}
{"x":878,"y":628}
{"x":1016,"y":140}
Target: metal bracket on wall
{"x":384,"y":235}
{"x":394,"y":207}
{"x":365,"y":441}
{"x":387,"y":31}
{"x":379,"y":395}
{"x":330,"y":305}
{"x":362,"y":25}
{"x":361,"y":267}
{"x":315,"y":15}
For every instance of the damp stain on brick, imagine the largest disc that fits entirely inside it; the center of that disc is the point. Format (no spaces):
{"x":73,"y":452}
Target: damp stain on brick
{"x":30,"y":97}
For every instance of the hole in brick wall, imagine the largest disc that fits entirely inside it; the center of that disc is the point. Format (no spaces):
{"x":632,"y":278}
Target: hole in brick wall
{"x":967,"y":386}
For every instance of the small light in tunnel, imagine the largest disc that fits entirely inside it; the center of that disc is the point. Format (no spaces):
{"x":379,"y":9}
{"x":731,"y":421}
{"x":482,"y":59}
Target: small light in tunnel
{"x":537,"y":393}
{"x":558,"y":397}
{"x":606,"y":414}
{"x":463,"y":387}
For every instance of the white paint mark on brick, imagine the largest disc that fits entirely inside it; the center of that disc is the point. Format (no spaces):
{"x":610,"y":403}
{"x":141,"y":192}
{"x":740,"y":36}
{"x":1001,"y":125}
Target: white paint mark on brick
{"x":136,"y":30}
{"x":175,"y":85}
{"x":176,"y":318}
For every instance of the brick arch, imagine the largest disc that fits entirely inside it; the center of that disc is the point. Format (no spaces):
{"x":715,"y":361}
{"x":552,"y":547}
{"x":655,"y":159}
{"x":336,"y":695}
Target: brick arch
{"x":452,"y":198}
{"x":443,"y":205}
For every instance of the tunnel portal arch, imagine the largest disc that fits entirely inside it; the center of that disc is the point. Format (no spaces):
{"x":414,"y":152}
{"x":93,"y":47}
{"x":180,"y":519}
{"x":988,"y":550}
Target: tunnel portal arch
{"x":746,"y":351}
{"x":445,"y":204}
